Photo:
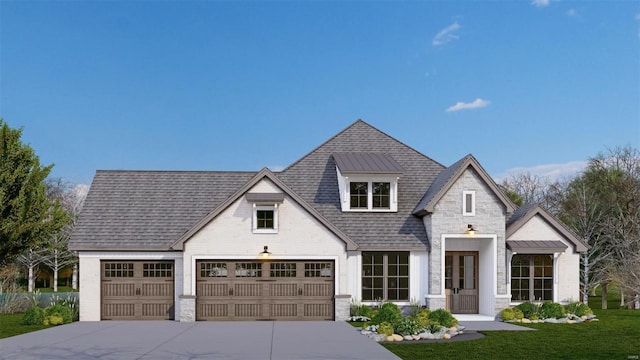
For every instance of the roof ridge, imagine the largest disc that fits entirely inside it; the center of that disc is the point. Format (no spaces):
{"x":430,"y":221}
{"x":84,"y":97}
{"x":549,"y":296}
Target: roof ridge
{"x":359,"y":121}
{"x":180,"y":171}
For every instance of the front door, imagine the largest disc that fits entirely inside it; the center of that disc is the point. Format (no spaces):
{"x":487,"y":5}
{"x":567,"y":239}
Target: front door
{"x":461,"y":281}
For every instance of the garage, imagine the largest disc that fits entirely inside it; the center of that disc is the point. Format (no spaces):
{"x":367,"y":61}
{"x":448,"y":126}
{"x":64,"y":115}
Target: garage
{"x":137,"y":290}
{"x":264,"y":290}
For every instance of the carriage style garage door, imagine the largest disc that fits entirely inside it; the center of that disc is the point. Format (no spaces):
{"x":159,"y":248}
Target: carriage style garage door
{"x":137,"y":290}
{"x":264,"y":290}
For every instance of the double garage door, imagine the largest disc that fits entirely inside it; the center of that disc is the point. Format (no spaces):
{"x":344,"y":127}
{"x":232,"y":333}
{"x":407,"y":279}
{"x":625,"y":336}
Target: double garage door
{"x":225,"y":290}
{"x":264,"y":290}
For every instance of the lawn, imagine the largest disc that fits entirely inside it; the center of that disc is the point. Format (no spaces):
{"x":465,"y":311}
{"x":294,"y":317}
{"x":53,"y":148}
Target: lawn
{"x":10,"y":326}
{"x":61,"y":289}
{"x":615,"y":336}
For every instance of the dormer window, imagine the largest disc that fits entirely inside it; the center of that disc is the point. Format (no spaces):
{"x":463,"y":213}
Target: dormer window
{"x":368,"y":182}
{"x":265,"y":212}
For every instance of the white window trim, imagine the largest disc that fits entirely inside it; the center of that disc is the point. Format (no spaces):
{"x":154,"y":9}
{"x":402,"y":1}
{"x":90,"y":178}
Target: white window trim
{"x":344,"y":186}
{"x":254,"y":224}
{"x":464,"y":203}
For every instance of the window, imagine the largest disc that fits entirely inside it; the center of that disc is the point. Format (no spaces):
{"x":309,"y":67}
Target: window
{"x":358,"y":191}
{"x":369,"y":195}
{"x":385,"y":276}
{"x":265,"y":219}
{"x":381,"y":195}
{"x":468,"y":203}
{"x":532,"y":278}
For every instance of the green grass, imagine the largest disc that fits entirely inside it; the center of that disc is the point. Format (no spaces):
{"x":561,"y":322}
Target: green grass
{"x":10,"y":325}
{"x":615,"y":336}
{"x":60,"y":289}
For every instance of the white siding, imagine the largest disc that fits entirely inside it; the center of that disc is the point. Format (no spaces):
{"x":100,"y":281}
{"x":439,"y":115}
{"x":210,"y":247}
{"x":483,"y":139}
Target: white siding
{"x":300,"y":236}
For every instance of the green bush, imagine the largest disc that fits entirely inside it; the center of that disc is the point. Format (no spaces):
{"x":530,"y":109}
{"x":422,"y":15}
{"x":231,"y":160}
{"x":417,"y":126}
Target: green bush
{"x":434,"y":327}
{"x":518,"y":314}
{"x":423,"y":318}
{"x":361,"y":310}
{"x":55,"y":319}
{"x":385,"y":328}
{"x":443,"y":317}
{"x":578,"y":309}
{"x":61,"y":310}
{"x":528,"y":309}
{"x":407,"y":326}
{"x":388,"y":312}
{"x":507,"y":314}
{"x":551,"y":310}
{"x":33,"y":316}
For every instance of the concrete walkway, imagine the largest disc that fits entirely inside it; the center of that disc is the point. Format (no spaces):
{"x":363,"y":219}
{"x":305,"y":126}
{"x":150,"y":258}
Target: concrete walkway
{"x":199,"y":340}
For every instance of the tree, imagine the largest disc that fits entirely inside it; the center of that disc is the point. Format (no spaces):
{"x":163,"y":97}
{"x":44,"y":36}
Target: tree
{"x":27,"y":216}
{"x":527,"y":188}
{"x":31,"y":259}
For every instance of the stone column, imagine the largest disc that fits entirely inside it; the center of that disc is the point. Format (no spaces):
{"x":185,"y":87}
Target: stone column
{"x":187,"y":308}
{"x":343,"y":307}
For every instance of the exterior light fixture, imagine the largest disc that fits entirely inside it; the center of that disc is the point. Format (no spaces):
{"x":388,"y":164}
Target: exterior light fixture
{"x":265,"y":252}
{"x":471,"y":230}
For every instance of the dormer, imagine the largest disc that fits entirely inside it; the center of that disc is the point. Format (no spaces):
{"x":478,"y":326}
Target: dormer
{"x":368,"y":182}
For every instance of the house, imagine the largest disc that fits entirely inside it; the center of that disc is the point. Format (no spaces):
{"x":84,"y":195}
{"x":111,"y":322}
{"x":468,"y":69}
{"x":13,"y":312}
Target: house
{"x":362,"y":218}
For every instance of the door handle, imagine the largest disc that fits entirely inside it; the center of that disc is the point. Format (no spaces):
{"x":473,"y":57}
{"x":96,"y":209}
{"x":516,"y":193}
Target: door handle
{"x":300,"y":291}
{"x":138,"y":291}
{"x":230,"y":291}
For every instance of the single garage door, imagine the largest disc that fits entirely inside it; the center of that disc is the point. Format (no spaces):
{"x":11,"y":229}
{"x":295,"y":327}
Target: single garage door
{"x":264,"y":290}
{"x":137,"y":290}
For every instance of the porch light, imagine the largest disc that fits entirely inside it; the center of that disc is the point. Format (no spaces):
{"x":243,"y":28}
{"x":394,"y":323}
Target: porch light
{"x":470,"y":230}
{"x":265,"y":252}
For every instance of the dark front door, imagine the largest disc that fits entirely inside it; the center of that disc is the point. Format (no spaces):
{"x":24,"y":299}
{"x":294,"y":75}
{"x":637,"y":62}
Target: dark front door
{"x":461,"y":281}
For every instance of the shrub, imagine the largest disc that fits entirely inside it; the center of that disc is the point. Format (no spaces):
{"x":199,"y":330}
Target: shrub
{"x":551,"y":310}
{"x":33,"y":316}
{"x":361,"y":310}
{"x":54,"y":319}
{"x":434,"y":327}
{"x":528,"y":309}
{"x":61,"y":310}
{"x":578,"y":309}
{"x":414,"y":307}
{"x":507,"y":314}
{"x":443,"y":317}
{"x":407,"y":326}
{"x":518,"y":314}
{"x":388,"y":312}
{"x":423,"y":317}
{"x":534,"y":317}
{"x":385,"y":328}
{"x":13,"y":303}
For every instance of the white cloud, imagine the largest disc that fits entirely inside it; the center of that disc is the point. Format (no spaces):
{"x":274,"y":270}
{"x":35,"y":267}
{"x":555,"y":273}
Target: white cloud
{"x":540,"y":3}
{"x":276,"y":168}
{"x":445,"y":35}
{"x":552,"y":172}
{"x":475,"y":104}
{"x":572,"y":12}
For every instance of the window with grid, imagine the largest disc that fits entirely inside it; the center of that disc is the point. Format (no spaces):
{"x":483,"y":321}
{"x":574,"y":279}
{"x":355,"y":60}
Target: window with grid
{"x":282,"y":269}
{"x":250,"y":269}
{"x":213,"y":269}
{"x":264,"y":219}
{"x":381,"y":195}
{"x":157,"y":270}
{"x":317,"y":270}
{"x":358,"y":191}
{"x":532,"y":278}
{"x":118,"y":270}
{"x":385,"y":276}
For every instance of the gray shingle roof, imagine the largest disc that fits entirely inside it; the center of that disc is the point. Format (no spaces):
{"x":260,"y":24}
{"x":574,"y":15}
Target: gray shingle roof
{"x":314,"y":178}
{"x":148,"y":210}
{"x":367,"y":163}
{"x":536,"y":246}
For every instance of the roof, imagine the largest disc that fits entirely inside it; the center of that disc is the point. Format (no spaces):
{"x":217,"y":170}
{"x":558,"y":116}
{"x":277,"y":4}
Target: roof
{"x":367,"y":163}
{"x":536,"y":247}
{"x":264,"y":173}
{"x":314,"y":178}
{"x":527,"y":212}
{"x":148,"y":210}
{"x":449,"y":176}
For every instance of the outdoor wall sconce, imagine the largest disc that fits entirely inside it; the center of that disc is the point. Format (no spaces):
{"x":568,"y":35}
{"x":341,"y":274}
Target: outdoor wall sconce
{"x":265,"y":252}
{"x":470,"y":230}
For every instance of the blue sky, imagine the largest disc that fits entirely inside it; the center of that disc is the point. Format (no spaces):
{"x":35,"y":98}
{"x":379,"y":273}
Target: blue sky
{"x":179,"y":85}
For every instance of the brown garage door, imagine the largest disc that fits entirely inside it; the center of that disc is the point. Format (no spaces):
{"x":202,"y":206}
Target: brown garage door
{"x":137,"y":290}
{"x":264,"y":290}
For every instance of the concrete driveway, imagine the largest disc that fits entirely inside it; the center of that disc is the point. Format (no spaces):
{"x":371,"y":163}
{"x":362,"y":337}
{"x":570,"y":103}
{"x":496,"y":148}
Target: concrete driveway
{"x":199,"y":340}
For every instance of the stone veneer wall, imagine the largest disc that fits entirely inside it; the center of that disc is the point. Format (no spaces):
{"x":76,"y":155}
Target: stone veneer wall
{"x":447,"y":218}
{"x":187,"y":308}
{"x":342,"y":307}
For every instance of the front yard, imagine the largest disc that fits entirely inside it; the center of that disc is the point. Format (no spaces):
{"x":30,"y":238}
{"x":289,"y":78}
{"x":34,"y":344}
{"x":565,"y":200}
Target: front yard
{"x":615,"y":336}
{"x":11,"y":325}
